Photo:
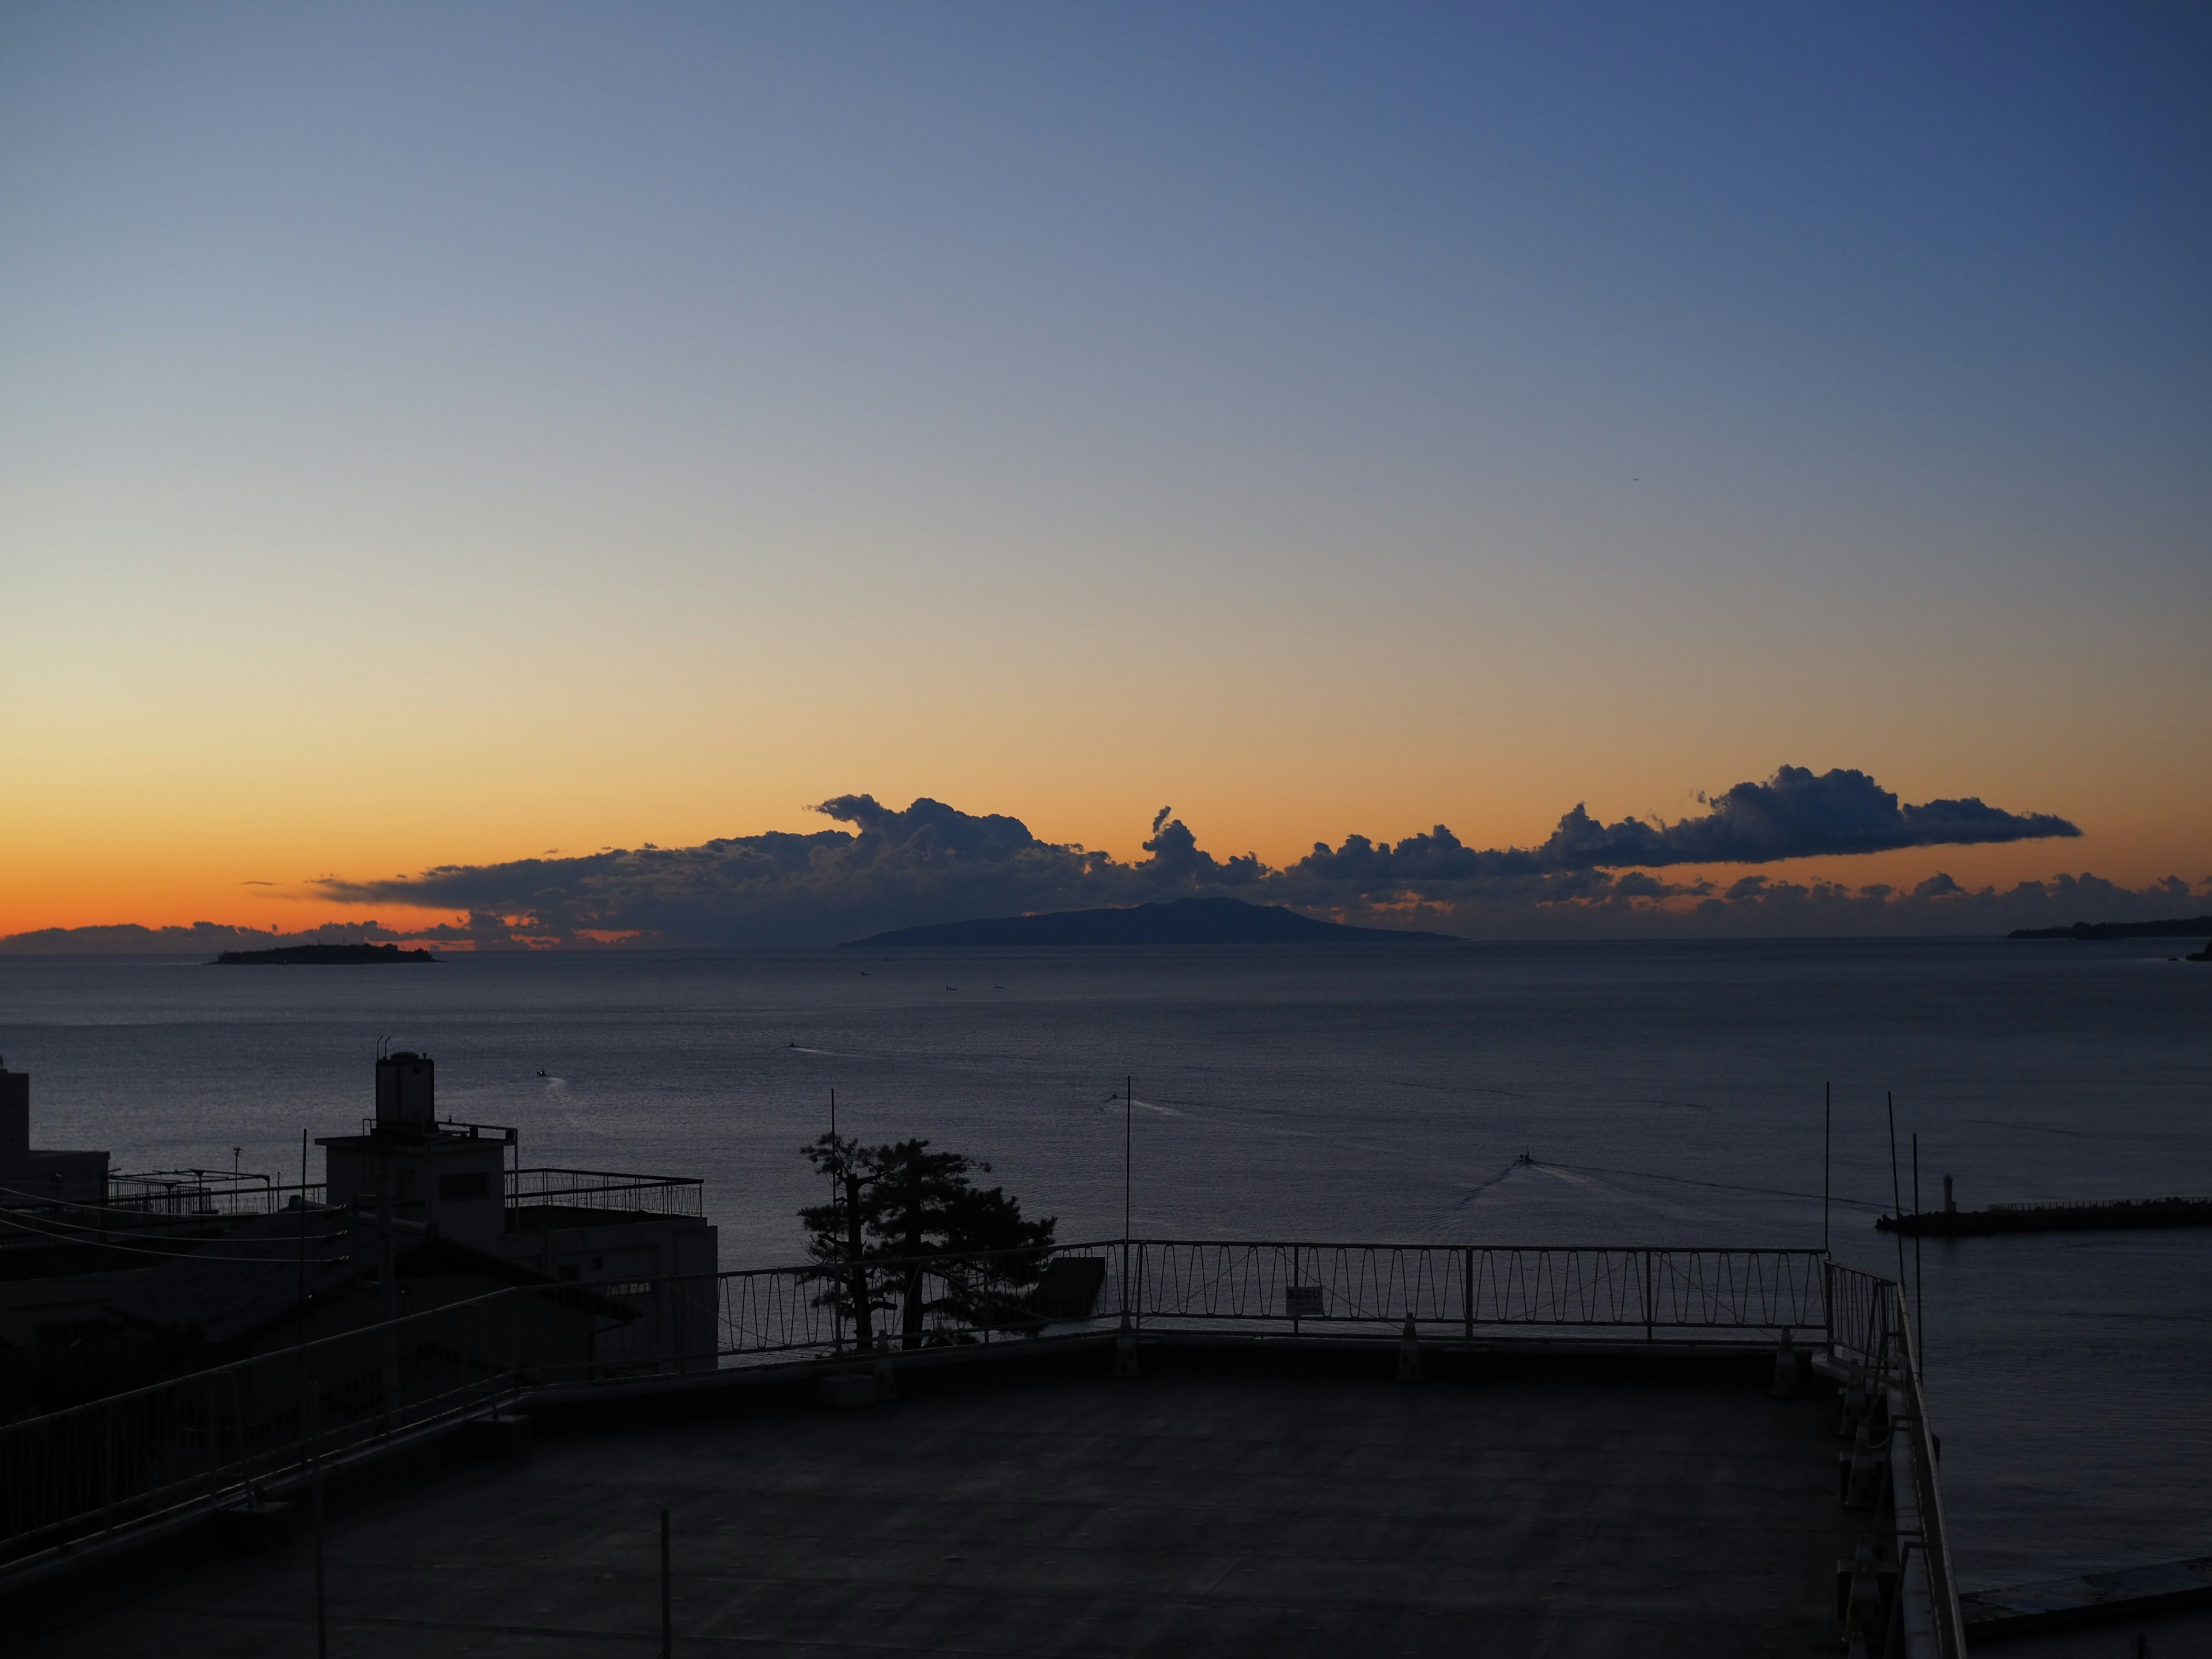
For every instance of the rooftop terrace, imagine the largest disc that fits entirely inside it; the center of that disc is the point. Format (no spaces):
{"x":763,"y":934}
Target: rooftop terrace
{"x":1328,"y":1449}
{"x":1553,"y":1507}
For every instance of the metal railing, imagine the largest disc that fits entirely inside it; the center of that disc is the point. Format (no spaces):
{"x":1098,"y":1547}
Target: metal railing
{"x":770,"y":1313}
{"x":1871,"y":1329}
{"x":607,"y":1189}
{"x":215,"y":1436}
{"x":203,"y":1192}
{"x":1362,"y":1288}
{"x":210,"y":1437}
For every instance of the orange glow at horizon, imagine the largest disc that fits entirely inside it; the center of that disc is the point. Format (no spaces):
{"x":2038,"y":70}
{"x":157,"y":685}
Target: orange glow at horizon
{"x":93,"y":879}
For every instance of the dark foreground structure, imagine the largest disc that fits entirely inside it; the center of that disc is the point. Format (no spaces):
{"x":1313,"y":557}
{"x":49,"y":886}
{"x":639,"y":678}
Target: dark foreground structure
{"x":1227,"y":1448}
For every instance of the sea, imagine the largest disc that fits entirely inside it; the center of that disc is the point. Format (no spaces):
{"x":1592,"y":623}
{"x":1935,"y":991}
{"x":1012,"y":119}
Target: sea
{"x":1589,"y":1093}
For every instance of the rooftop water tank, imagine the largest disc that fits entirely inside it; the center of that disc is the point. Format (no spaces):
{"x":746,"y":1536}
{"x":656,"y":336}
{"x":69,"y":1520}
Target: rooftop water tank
{"x":406,"y":1093}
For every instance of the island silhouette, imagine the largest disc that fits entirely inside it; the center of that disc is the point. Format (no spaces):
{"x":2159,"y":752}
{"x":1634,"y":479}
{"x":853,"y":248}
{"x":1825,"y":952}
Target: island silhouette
{"x":1177,"y":921}
{"x":2173,"y":927}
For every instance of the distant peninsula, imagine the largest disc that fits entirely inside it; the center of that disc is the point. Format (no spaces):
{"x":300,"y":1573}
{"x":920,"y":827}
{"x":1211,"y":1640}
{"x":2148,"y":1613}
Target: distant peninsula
{"x":2177,"y":928}
{"x":319,"y":955}
{"x":1179,"y":922}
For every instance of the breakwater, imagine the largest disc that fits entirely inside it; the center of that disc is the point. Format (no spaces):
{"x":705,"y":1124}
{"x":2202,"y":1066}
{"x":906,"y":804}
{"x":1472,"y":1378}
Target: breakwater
{"x":2091,"y":1215}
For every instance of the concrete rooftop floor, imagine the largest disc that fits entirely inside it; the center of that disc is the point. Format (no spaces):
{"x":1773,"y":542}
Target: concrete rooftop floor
{"x":1555,"y":1511}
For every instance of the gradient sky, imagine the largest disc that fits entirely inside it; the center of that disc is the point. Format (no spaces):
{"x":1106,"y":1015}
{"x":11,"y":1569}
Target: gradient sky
{"x":447,"y":433}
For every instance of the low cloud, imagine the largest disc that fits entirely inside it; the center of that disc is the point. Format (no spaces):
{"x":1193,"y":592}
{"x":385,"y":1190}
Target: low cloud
{"x":931,"y":862}
{"x":1795,"y":814}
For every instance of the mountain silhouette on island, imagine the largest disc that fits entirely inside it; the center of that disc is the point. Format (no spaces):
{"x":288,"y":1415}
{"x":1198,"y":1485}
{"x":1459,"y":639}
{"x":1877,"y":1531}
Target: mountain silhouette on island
{"x":1179,"y":922}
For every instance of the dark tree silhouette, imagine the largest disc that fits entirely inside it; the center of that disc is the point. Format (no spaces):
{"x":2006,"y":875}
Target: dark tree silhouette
{"x":904,"y":1204}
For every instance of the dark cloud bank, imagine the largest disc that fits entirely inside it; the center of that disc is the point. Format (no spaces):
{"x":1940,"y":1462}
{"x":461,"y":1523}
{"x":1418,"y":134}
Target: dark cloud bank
{"x":933,"y":863}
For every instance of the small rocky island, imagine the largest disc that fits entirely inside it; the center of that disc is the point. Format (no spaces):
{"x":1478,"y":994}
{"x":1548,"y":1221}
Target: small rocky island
{"x":319,"y":955}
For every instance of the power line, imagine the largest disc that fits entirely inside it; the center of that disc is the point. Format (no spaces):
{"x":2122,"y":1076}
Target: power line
{"x":1722,"y":1186}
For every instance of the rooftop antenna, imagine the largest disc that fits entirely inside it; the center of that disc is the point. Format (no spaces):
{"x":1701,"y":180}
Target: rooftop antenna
{"x":1919,"y":1275}
{"x":1827,"y":1142}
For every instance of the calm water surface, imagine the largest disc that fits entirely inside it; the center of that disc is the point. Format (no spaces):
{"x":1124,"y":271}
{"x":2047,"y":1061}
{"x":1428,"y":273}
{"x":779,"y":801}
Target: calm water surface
{"x":1670,"y":1094}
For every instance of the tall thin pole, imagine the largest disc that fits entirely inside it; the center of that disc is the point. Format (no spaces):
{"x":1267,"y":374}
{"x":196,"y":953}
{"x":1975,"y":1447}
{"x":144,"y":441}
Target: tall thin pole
{"x":301,"y":1301}
{"x":667,"y":1623}
{"x":1919,"y":1275}
{"x":1896,"y":1194}
{"x":1128,"y":1177}
{"x":313,"y":1411}
{"x":1827,"y":1142}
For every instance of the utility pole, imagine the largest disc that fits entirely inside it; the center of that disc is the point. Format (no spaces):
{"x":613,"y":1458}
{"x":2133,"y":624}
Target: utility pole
{"x":1919,"y":1273}
{"x":312,"y":1410}
{"x":1896,"y":1194}
{"x":1128,"y":1150}
{"x":1128,"y":1175}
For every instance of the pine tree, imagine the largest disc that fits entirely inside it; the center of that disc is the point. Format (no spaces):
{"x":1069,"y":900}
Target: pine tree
{"x":902,"y":1202}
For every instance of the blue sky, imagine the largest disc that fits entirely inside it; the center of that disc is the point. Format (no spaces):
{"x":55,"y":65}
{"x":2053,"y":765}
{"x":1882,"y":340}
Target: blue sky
{"x":1331,"y":420}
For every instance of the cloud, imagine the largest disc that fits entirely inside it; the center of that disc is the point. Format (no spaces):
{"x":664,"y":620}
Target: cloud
{"x":932,"y":862}
{"x":929,"y":862}
{"x":1794,"y":814}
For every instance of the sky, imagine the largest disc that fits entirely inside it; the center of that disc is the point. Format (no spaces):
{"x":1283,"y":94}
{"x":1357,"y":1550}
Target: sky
{"x":437,"y":437}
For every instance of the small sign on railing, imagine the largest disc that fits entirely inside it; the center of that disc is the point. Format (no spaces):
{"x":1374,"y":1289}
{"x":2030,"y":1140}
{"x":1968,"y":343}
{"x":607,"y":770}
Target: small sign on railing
{"x":1302,"y":1301}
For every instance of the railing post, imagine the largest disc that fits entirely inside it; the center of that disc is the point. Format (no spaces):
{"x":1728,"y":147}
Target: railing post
{"x":1648,"y":1318}
{"x":1828,"y":1305}
{"x":1467,"y":1296}
{"x":667,"y":1623}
